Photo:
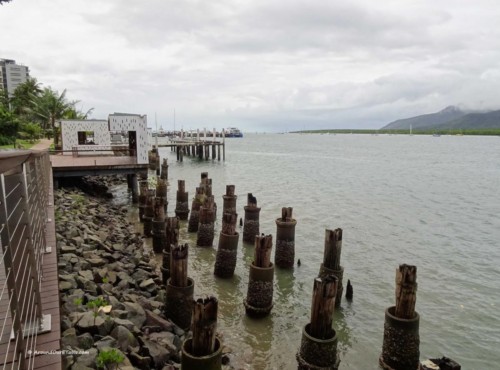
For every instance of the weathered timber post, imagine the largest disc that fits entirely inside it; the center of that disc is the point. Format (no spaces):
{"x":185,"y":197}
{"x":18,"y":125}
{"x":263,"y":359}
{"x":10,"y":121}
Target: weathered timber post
{"x":157,"y":163}
{"x":259,"y":301}
{"x":213,"y":151}
{"x":225,"y":260}
{"x":206,"y":227}
{"x":182,"y":205}
{"x":349,"y":292}
{"x":134,"y":188}
{"x":180,"y":288}
{"x":285,"y":239}
{"x":331,"y":260}
{"x":194,"y":217}
{"x":229,"y":200}
{"x":400,"y":348}
{"x":164,"y":169}
{"x":159,"y":234}
{"x":218,"y":152}
{"x":318,"y":347}
{"x":181,"y":153}
{"x":171,"y":240}
{"x":143,"y":195}
{"x":152,"y":159}
{"x":204,"y":350}
{"x":177,"y":150}
{"x":161,"y":191}
{"x":149,"y":213}
{"x":251,"y":225}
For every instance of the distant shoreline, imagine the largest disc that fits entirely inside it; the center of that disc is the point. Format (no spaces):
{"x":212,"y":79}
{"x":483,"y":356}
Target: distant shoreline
{"x":480,"y":132}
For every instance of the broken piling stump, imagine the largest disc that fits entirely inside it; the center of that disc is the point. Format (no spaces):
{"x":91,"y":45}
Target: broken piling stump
{"x":400,"y":349}
{"x":331,"y":260}
{"x":194,"y":217}
{"x":164,"y":169}
{"x":143,"y":193}
{"x":206,"y":226}
{"x":204,"y":349}
{"x":251,"y":224}
{"x":285,"y":239}
{"x":318,"y":347}
{"x":149,"y":213}
{"x":225,"y":260}
{"x":443,"y":363}
{"x":180,"y":288}
{"x":159,"y":234}
{"x":182,"y":201}
{"x":171,"y":240}
{"x":259,"y":301}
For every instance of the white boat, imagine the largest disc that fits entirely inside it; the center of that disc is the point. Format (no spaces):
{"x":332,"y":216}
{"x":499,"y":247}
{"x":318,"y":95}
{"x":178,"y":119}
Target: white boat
{"x":232,"y":132}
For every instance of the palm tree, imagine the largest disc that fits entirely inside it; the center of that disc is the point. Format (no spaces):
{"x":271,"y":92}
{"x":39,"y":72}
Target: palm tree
{"x":49,"y":107}
{"x":24,"y":95}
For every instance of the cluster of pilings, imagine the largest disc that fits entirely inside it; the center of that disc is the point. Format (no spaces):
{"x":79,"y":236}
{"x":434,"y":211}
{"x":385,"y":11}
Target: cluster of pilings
{"x":318,"y":347}
{"x":225,"y":261}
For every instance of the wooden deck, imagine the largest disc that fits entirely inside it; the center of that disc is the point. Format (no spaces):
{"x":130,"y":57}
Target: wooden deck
{"x":50,"y":298}
{"x":67,"y":165}
{"x":49,"y":293}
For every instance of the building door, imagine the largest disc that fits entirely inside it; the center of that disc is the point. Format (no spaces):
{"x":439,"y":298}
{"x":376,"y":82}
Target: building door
{"x":132,"y":143}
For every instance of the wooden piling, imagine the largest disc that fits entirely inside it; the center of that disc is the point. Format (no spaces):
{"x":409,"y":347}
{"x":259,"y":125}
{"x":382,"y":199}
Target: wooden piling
{"x":285,"y":239}
{"x":149,"y":213}
{"x":143,"y":192}
{"x":229,"y":200}
{"x":251,"y":226}
{"x":204,"y":349}
{"x":171,"y":240}
{"x":204,"y":326}
{"x":259,"y":301}
{"x":179,"y":295}
{"x":400,"y":348}
{"x":158,"y":225}
{"x":182,"y":205}
{"x":164,"y":169}
{"x":331,"y":260}
{"x":194,"y":217}
{"x":225,"y":260}
{"x":318,"y":347}
{"x":206,"y":225}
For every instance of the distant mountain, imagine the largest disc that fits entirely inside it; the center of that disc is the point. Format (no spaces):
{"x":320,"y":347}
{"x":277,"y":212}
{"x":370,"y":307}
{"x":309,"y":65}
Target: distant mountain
{"x":486,"y":120}
{"x":427,"y":121}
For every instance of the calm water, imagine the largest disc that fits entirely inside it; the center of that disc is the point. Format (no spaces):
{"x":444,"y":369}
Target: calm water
{"x":432,"y":202}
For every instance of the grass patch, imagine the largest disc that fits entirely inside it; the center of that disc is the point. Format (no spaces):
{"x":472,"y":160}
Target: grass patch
{"x":20,"y":144}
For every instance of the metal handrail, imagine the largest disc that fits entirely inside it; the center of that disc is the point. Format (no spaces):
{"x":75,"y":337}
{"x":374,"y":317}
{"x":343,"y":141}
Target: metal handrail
{"x":24,"y":186}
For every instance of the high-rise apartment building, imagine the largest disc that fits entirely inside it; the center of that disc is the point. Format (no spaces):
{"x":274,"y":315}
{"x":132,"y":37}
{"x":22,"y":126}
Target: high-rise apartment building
{"x":12,"y":75}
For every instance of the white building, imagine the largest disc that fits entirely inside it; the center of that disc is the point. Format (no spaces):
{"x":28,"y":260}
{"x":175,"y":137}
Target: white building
{"x":12,"y":75}
{"x":94,"y":136}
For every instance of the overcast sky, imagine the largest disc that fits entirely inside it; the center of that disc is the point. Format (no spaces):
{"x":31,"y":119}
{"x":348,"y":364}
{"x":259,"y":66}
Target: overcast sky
{"x":261,"y":65}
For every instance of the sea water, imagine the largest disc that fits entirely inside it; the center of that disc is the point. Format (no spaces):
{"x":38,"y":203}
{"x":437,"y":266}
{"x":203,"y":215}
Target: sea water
{"x":433,"y":202}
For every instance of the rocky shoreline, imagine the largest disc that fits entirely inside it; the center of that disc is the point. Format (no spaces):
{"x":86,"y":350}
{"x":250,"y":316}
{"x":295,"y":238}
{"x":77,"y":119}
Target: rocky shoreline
{"x":112,"y":298}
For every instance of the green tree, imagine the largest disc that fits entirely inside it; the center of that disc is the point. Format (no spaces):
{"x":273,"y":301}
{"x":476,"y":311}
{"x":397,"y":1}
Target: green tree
{"x":9,"y":126}
{"x":31,"y":131}
{"x":22,"y":101}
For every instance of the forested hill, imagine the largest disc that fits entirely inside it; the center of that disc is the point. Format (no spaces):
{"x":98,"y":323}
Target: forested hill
{"x":449,"y":118}
{"x":426,"y":121}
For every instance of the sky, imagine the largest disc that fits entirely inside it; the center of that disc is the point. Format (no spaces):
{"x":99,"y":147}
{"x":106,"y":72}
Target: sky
{"x":261,"y":65}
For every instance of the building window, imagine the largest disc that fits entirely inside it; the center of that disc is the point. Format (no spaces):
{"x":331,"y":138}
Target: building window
{"x":86,"y":138}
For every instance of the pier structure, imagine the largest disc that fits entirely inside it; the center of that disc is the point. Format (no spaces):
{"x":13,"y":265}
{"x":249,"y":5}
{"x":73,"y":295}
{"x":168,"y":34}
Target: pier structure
{"x":197,"y":146}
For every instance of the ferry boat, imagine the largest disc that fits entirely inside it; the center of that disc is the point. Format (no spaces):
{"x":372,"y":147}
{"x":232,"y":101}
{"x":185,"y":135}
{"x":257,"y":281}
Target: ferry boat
{"x":233,"y":132}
